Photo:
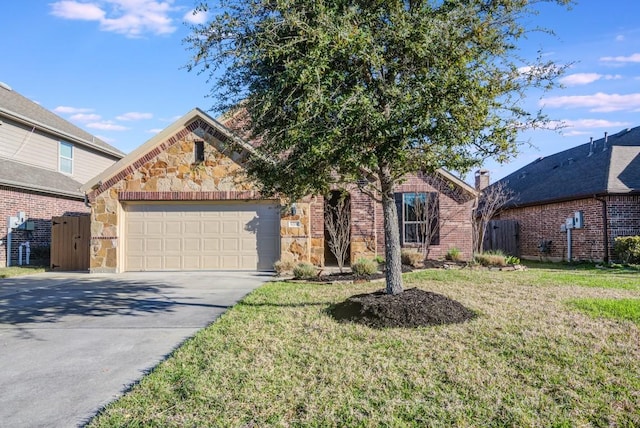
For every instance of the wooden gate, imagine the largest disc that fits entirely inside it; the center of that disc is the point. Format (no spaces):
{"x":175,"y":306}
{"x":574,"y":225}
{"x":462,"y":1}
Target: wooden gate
{"x":70,"y":239}
{"x":502,"y":235}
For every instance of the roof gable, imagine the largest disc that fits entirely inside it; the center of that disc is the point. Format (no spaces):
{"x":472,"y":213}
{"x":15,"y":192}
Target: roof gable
{"x":22,"y":109}
{"x":195,"y":121}
{"x":608,"y":165}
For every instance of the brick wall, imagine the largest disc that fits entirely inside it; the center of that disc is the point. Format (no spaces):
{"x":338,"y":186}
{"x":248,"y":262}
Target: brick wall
{"x":39,"y":208}
{"x":542,"y":222}
{"x":367,"y":219}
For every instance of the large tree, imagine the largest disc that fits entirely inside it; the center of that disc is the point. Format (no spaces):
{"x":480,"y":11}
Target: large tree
{"x":369,"y":90}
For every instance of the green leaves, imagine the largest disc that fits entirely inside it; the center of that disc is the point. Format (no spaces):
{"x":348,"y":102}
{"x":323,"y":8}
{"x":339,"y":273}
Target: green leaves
{"x":332,"y":87}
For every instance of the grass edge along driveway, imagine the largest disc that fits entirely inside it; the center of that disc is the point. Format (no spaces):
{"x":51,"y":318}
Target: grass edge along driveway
{"x":529,"y":359}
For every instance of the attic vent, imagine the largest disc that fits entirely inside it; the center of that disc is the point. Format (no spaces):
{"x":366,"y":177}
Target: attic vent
{"x":5,"y":86}
{"x":570,"y":161}
{"x":199,"y":151}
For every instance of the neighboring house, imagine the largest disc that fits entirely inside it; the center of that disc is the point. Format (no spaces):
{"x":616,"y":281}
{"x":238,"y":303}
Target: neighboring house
{"x":182,"y":201}
{"x":600,"y":179}
{"x":43,"y":162}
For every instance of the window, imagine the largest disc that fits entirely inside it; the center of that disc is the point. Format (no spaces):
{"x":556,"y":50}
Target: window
{"x":199,"y":151}
{"x":418,"y":218}
{"x":65,"y":154}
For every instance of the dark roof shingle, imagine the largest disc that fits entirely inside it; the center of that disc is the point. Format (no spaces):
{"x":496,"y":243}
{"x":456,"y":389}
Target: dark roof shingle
{"x":22,"y":176}
{"x":611,"y":167}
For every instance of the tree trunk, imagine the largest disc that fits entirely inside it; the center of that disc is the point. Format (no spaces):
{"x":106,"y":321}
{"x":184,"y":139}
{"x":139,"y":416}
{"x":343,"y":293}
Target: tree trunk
{"x":391,"y":235}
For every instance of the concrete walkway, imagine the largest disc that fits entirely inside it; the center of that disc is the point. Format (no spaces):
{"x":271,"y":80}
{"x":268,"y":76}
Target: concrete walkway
{"x":72,"y":342}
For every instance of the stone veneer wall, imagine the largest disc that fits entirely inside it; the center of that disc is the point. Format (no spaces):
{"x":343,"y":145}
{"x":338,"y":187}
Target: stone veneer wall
{"x":168,"y":173}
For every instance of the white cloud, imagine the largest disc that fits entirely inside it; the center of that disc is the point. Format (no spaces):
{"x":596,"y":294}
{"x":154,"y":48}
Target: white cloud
{"x":84,"y":117}
{"x":132,"y":18}
{"x":106,"y":126}
{"x":587,"y":123}
{"x":574,"y":133}
{"x":622,"y":59}
{"x":154,"y":130}
{"x":620,"y":38}
{"x":586,"y":78}
{"x":134,"y":115}
{"x":599,"y":102}
{"x":71,"y":110}
{"x":197,"y":18}
{"x":69,"y":9}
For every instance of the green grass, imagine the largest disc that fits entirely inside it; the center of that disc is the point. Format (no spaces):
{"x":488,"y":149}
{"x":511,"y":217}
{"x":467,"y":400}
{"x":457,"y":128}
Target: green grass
{"x":617,"y":309}
{"x":278,"y":359}
{"x":11,"y":271}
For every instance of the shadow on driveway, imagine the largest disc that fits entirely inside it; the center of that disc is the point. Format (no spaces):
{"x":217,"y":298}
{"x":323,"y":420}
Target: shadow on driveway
{"x":26,"y":301}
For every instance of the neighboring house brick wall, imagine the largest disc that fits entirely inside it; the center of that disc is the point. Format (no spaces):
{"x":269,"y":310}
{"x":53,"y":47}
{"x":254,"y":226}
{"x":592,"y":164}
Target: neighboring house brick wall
{"x":39,"y":208}
{"x":542,"y":222}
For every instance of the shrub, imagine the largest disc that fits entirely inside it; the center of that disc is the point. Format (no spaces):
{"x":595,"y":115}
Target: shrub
{"x":283,"y":266}
{"x":304,"y":270}
{"x":412,"y":258}
{"x":512,"y":260}
{"x":627,"y":249}
{"x":379,"y":259}
{"x":364,"y":267}
{"x":453,"y":254}
{"x":491,"y":259}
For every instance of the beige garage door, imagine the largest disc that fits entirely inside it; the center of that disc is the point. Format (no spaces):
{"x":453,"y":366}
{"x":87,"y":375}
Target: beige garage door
{"x":202,"y":236}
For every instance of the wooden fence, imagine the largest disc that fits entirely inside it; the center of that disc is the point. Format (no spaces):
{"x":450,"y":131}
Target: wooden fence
{"x":502,"y":235}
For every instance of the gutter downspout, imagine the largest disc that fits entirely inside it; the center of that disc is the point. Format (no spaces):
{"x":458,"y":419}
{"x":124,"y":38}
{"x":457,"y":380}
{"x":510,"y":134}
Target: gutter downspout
{"x":605,"y":228}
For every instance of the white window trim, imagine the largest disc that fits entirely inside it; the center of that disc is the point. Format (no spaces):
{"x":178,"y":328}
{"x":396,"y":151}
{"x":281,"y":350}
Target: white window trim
{"x":60,"y":157}
{"x":409,"y":222}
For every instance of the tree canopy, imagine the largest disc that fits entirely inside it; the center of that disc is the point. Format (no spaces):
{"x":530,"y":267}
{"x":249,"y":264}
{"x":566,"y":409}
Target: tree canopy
{"x":370,"y":90}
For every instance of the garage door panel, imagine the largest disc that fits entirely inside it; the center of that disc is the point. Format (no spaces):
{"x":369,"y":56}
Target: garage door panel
{"x":192,"y":227}
{"x":173,"y":227}
{"x":196,"y":236}
{"x":152,"y":228}
{"x":229,"y":244}
{"x":211,"y":244}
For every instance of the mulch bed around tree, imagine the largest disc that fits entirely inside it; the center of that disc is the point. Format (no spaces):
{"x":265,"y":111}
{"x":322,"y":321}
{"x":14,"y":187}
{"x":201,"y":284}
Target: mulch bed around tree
{"x":350,"y":276}
{"x":411,"y":308}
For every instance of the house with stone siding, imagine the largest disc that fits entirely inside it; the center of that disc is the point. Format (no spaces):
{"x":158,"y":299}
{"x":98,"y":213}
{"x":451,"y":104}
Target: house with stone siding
{"x":600,"y":180}
{"x":183,"y":201}
{"x":44,"y":160}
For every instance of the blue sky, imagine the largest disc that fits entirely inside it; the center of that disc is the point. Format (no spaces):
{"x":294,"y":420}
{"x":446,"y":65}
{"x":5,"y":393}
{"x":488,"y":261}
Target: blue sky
{"x":116,"y":68}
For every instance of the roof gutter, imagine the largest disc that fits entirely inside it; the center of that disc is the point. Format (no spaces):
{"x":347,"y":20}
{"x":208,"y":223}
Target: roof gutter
{"x":26,"y":121}
{"x":42,"y":189}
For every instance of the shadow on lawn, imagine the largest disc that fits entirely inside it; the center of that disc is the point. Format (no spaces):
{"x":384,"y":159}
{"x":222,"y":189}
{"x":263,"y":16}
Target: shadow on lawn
{"x":29,"y":300}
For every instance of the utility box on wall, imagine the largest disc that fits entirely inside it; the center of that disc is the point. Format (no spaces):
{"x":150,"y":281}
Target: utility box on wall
{"x":578,"y":220}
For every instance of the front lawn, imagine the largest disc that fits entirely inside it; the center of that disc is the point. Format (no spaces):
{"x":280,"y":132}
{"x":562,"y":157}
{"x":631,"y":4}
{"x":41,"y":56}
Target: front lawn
{"x":528,"y":359}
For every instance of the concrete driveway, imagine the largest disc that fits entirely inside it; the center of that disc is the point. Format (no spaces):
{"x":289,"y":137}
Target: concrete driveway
{"x":72,"y":342}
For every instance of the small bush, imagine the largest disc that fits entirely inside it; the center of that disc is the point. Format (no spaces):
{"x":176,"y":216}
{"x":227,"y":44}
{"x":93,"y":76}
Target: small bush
{"x":304,"y":270}
{"x":364,"y":267}
{"x":379,"y":259}
{"x":491,"y":259}
{"x":453,"y":254}
{"x":512,"y":260}
{"x":412,"y":258}
{"x":283,"y":266}
{"x":627,"y":249}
